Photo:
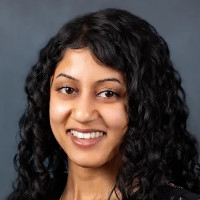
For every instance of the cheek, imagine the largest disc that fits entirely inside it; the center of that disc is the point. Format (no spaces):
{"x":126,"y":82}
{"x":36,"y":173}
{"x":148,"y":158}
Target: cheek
{"x":115,"y":116}
{"x":58,"y":111}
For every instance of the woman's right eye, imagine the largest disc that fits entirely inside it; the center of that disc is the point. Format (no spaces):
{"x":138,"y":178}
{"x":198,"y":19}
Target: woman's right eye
{"x":67,"y":90}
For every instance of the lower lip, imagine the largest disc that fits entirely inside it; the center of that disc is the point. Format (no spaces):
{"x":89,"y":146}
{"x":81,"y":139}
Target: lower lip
{"x":85,"y":142}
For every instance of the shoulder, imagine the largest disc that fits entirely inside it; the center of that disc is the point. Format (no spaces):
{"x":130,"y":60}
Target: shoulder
{"x":172,"y":192}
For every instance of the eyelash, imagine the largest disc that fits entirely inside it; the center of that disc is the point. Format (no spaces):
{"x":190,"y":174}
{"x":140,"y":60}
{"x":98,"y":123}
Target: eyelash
{"x":113,"y":94}
{"x":64,"y":88}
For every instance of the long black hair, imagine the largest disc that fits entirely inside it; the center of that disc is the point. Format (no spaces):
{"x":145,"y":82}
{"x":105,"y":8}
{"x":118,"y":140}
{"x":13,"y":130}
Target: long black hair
{"x":156,"y":149}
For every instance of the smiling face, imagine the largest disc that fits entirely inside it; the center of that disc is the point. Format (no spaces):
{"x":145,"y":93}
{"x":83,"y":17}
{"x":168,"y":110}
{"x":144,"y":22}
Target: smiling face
{"x":88,"y":113}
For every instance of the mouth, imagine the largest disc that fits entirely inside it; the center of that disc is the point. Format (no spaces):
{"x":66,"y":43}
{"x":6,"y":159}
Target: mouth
{"x":86,"y":138}
{"x":86,"y":134}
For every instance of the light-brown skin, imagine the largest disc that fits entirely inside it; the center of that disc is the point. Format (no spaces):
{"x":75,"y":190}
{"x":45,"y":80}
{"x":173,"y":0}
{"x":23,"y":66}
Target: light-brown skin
{"x":92,"y":170}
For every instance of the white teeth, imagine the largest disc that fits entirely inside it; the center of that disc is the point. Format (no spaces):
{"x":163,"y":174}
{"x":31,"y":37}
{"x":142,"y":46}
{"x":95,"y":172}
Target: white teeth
{"x":80,"y":135}
{"x":97,"y":134}
{"x":92,"y":135}
{"x":75,"y":133}
{"x":86,"y":135}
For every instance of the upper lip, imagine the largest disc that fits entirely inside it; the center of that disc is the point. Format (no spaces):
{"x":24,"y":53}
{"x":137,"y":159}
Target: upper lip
{"x":86,"y":130}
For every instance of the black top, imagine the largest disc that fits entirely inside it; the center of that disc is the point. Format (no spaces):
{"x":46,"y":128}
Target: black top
{"x":172,"y":192}
{"x":166,"y":192}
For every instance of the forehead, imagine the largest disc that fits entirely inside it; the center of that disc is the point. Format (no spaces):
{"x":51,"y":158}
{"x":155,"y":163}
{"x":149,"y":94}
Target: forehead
{"x":81,"y":64}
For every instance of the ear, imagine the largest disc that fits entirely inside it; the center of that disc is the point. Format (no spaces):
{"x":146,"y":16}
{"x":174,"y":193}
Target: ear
{"x":51,"y":80}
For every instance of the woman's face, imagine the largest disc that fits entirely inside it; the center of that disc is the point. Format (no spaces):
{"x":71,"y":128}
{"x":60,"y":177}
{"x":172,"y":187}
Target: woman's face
{"x":88,"y":114}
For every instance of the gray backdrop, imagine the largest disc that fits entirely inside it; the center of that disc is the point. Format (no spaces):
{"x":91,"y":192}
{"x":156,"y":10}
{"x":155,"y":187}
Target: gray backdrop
{"x":25,"y":27}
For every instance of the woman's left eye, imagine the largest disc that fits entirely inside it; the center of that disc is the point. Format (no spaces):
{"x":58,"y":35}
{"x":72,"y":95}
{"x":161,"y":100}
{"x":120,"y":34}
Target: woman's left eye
{"x":107,"y":94}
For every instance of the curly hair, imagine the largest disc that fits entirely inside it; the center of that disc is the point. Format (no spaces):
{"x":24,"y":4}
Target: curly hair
{"x":157,"y":147}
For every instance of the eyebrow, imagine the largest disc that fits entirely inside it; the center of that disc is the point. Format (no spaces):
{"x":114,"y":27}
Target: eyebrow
{"x":109,"y":79}
{"x":99,"y":81}
{"x":67,"y":76}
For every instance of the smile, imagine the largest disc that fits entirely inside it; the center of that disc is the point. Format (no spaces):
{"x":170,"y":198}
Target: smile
{"x":87,"y":135}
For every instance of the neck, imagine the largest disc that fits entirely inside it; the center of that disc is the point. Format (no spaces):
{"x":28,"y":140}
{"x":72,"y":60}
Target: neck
{"x":90,"y":183}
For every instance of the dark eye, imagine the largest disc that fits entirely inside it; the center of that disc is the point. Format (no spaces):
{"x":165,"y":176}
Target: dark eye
{"x":107,"y":94}
{"x":68,"y":90}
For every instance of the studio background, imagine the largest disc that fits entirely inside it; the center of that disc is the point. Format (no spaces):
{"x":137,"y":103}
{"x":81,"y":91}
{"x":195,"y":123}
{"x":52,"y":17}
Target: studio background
{"x":26,"y":26}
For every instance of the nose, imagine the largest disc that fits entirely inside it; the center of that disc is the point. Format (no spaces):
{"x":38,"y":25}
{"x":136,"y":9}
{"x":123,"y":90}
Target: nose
{"x":85,"y":110}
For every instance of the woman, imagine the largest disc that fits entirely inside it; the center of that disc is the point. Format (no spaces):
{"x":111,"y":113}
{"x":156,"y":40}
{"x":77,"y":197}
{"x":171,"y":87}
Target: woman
{"x":106,"y":116}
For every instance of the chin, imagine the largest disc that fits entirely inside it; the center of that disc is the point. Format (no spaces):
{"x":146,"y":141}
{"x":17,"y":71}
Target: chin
{"x":90,"y":163}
